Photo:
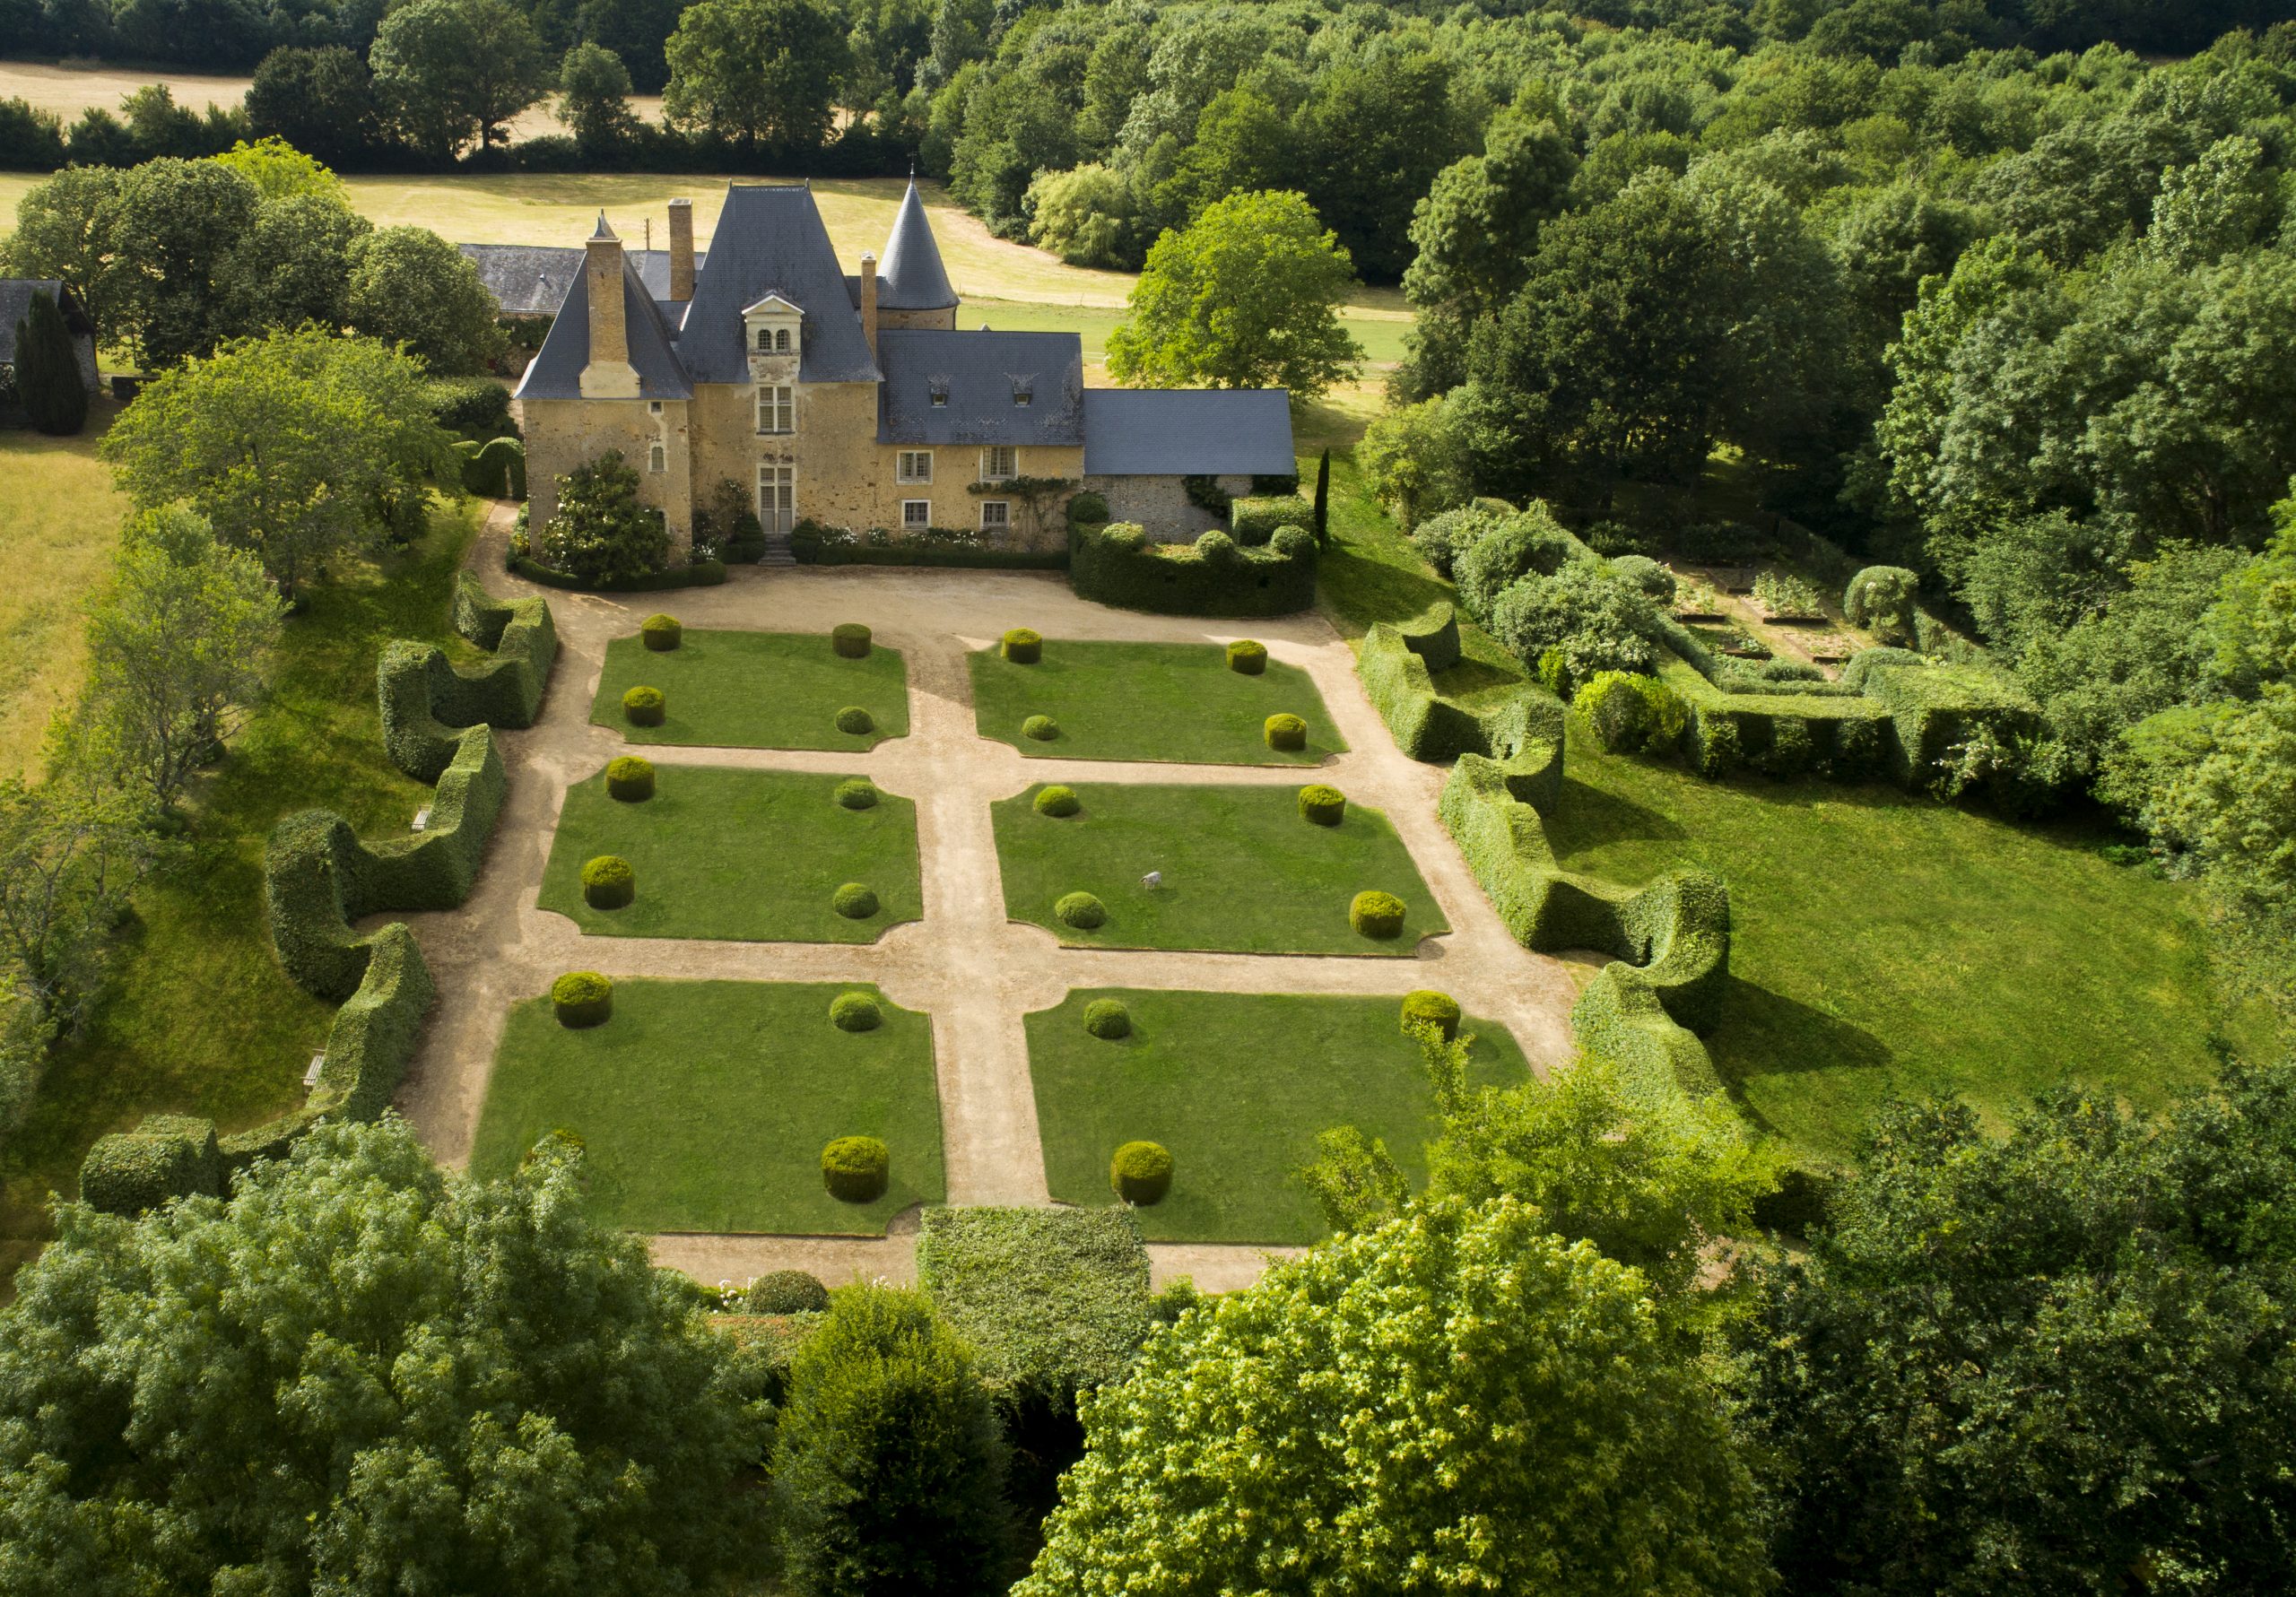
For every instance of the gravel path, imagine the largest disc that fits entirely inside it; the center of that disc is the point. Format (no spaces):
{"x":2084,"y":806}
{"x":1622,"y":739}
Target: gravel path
{"x":976,"y":973}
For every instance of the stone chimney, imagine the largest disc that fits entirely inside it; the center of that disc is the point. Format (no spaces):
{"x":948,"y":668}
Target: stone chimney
{"x":609,"y":375}
{"x":869,"y":301}
{"x":680,"y":250}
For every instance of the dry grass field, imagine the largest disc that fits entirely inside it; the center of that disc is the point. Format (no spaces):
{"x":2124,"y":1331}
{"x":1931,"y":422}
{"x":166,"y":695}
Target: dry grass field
{"x":59,"y":524}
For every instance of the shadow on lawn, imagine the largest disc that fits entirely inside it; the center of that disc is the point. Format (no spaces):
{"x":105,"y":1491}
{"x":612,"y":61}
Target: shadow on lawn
{"x":1768,"y":1034}
{"x":1590,"y":818}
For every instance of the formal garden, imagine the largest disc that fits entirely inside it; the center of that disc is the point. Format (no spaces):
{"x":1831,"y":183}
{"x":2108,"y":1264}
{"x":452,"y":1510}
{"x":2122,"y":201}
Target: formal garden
{"x":1202,"y":704}
{"x":752,"y":690}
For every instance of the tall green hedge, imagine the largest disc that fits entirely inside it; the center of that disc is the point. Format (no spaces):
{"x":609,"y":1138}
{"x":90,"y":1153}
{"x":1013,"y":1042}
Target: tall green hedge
{"x":495,"y":469}
{"x":1395,"y":669}
{"x":168,"y":1156}
{"x":1253,"y":521}
{"x":1214,"y":576}
{"x":424,"y":696}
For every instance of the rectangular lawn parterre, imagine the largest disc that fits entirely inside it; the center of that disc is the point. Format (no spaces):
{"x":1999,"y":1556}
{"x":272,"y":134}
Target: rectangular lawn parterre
{"x":1173,"y":702}
{"x":704,"y":1106}
{"x":742,"y":855}
{"x":1237,"y":1086}
{"x":755,"y":691}
{"x":1242,"y":872}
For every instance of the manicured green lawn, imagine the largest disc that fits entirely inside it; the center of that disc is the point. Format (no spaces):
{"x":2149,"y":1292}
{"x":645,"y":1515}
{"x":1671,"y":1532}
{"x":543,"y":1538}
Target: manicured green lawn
{"x":1242,"y":872}
{"x":1237,"y":1086}
{"x":704,"y":1106}
{"x":749,"y":856}
{"x":755,"y":691}
{"x":1156,"y":701}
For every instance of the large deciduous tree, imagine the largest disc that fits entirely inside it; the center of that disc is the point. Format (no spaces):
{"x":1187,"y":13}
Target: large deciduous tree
{"x":756,"y":72}
{"x":65,"y":231}
{"x":451,"y":71}
{"x":175,"y":226}
{"x":71,"y":851}
{"x":407,"y":285}
{"x":594,"y":99}
{"x":319,"y":101}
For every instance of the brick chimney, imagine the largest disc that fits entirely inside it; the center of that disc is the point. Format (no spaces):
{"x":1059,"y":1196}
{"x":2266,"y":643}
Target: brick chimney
{"x":869,"y":301}
{"x":609,"y":375}
{"x":680,"y":250}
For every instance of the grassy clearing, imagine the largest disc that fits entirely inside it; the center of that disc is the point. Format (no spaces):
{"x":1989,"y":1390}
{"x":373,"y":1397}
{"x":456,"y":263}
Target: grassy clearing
{"x":1243,"y":873}
{"x":61,"y":524}
{"x":749,"y":856}
{"x":755,"y":691}
{"x":1238,"y":1086}
{"x":704,"y":1106}
{"x":1153,"y":701}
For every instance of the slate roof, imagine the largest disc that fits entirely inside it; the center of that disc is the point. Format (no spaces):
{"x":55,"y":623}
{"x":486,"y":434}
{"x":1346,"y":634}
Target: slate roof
{"x":557,"y":369}
{"x":770,"y":240}
{"x":910,"y":276}
{"x":1211,"y":432}
{"x":16,"y":303}
{"x":979,"y":372}
{"x":532,"y":279}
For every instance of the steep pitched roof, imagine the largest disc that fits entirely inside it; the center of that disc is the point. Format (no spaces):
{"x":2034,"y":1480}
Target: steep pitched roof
{"x":532,"y":279}
{"x":16,"y":303}
{"x":977,"y":373}
{"x":770,"y":240}
{"x":910,"y":276}
{"x":1210,"y":432}
{"x":557,"y":369}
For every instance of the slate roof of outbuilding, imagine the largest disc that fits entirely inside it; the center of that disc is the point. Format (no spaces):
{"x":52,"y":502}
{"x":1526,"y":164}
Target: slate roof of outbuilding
{"x":557,"y":369}
{"x":1211,"y":432}
{"x":532,"y":279}
{"x":16,"y":303}
{"x":910,"y":277}
{"x":979,"y":372}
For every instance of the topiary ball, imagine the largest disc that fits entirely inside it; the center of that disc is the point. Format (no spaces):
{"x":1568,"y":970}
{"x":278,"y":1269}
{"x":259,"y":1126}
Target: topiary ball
{"x":1324,"y":806}
{"x":1427,"y":1007}
{"x":1285,"y":731}
{"x":1376,"y":914}
{"x":854,"y":901}
{"x":856,"y":720}
{"x":851,"y":639}
{"x":1057,"y":800}
{"x":858,"y":793}
{"x":1108,"y":1019}
{"x":581,"y":998}
{"x":855,"y":1168}
{"x":662,"y":633}
{"x":1042,"y":728}
{"x":644,"y":706}
{"x":1140,"y":1172}
{"x":785,"y":1292}
{"x":608,"y":883}
{"x":855,"y":1012}
{"x":1081,"y":910}
{"x":630,"y":779}
{"x":1023,"y":647}
{"x":1248,"y":656}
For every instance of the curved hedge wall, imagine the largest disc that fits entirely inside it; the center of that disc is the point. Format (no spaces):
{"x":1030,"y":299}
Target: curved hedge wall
{"x":1397,"y":668}
{"x":424,"y":696}
{"x":1117,"y":565}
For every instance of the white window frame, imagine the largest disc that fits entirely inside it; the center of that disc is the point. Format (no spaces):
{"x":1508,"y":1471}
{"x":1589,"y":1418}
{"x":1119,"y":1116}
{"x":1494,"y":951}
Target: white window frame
{"x":1003,"y":523}
{"x":780,"y":481}
{"x":777,"y":402}
{"x":989,"y":461}
{"x":916,"y":516}
{"x":905,"y":466}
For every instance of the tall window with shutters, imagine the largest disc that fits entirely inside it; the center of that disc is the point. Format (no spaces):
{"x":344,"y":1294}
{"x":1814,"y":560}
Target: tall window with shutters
{"x":777,"y":409}
{"x":777,"y":496}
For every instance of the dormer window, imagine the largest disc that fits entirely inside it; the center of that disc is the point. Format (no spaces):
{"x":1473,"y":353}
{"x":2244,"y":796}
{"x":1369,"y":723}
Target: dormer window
{"x":775,"y":327}
{"x":1022,"y":393}
{"x":939,"y":393}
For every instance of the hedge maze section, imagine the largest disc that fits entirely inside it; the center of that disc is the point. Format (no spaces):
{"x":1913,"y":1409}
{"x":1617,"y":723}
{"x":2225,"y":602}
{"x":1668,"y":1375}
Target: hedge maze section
{"x":1397,"y":666}
{"x":737,"y":856}
{"x":755,"y":691}
{"x":425,"y":698}
{"x":705,"y":1106}
{"x":1241,"y":871}
{"x":1172,"y":702}
{"x":1238,"y":1086}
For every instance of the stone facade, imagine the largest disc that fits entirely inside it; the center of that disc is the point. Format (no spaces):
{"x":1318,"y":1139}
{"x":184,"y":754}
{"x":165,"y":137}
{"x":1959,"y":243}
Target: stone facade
{"x":1161,"y":505}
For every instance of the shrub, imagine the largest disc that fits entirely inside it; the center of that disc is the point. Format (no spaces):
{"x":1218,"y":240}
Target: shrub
{"x":1140,"y":1172}
{"x":601,"y":533}
{"x":1285,"y":731}
{"x":581,"y":998}
{"x":1442,"y":539}
{"x":1532,"y":543}
{"x":661,"y":633}
{"x":494,"y":470}
{"x":856,"y":1011}
{"x":1117,"y":565}
{"x":1881,"y":599}
{"x":1022,"y":647}
{"x":1614,"y":538}
{"x":1108,"y":1019}
{"x":856,"y":793}
{"x":1629,"y":713}
{"x":1042,"y":729}
{"x":1081,"y":910}
{"x":854,"y":901}
{"x":785,"y":1292}
{"x":630,"y":777}
{"x":1646,"y":576}
{"x":855,"y":1168}
{"x":1055,"y":1301}
{"x":168,"y":1156}
{"x":608,"y":883}
{"x":644,"y":707}
{"x":477,"y":407}
{"x":1246,"y":658}
{"x":1376,"y":914}
{"x":1427,"y":1007}
{"x":855,"y":721}
{"x":1322,"y":805}
{"x":1057,"y":801}
{"x":1591,"y":619}
{"x":1721,"y":543}
{"x":1253,"y":521}
{"x":850,"y":639}
{"x":1087,"y":509}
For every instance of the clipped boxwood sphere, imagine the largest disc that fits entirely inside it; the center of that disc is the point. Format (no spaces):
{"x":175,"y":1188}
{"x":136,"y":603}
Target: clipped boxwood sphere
{"x":1248,"y":656}
{"x":855,"y":720}
{"x":581,"y":998}
{"x":854,"y":1168}
{"x":855,"y":1012}
{"x":854,"y":901}
{"x":1057,"y":800}
{"x":858,"y":793}
{"x":608,"y":883}
{"x":644,"y":706}
{"x":851,"y":639}
{"x":661,"y":632}
{"x":785,"y":1292}
{"x":1427,"y":1007}
{"x":1024,"y":646}
{"x":1324,"y":806}
{"x":1081,"y":910}
{"x":1140,"y":1172}
{"x":630,"y":779}
{"x":1042,"y":728}
{"x":1376,"y":914}
{"x":1108,"y":1019}
{"x":1286,"y":732}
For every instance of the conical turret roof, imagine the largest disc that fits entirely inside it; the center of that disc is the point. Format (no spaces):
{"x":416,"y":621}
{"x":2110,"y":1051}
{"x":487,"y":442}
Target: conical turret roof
{"x":911,"y":277}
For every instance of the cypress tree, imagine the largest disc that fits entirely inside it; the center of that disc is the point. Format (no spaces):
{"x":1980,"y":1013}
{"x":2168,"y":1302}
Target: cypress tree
{"x":48,"y":383}
{"x":1323,"y":492}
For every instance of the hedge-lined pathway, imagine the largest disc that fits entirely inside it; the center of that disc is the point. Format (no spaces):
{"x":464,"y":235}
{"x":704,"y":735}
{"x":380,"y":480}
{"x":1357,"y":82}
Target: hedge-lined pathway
{"x":975,"y":972}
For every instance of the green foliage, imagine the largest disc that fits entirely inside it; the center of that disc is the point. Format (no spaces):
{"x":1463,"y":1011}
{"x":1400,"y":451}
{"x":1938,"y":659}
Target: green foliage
{"x":1587,"y":620}
{"x":1021,"y":645}
{"x":1054,"y":1302}
{"x":409,"y":287}
{"x":644,"y":707}
{"x":850,"y":639}
{"x":495,"y":469}
{"x":660,"y":633}
{"x":855,"y":1168}
{"x":168,"y":1157}
{"x":1056,"y":801}
{"x":1377,"y":914}
{"x":582,"y":998}
{"x":608,"y":883}
{"x":594,"y":99}
{"x":1108,"y":1019}
{"x":423,"y":696}
{"x":1086,"y":508}
{"x":1881,"y":599}
{"x":856,"y":793}
{"x":1284,"y":731}
{"x":1631,"y":713}
{"x":1040,"y":729}
{"x":1396,"y":669}
{"x":600,"y":534}
{"x":1141,"y":1173}
{"x":855,"y":1012}
{"x":1248,"y":658}
{"x":785,"y":1292}
{"x":49,"y":384}
{"x":1322,"y":805}
{"x":1531,"y":543}
{"x":1788,"y":597}
{"x":1426,"y":1007}
{"x":630,"y":777}
{"x":755,"y":71}
{"x":1254,"y":520}
{"x":1414,"y":460}
{"x":856,"y":722}
{"x":854,"y":901}
{"x":1646,"y":576}
{"x":448,"y":72}
{"x":1117,"y":565}
{"x":1081,"y":910}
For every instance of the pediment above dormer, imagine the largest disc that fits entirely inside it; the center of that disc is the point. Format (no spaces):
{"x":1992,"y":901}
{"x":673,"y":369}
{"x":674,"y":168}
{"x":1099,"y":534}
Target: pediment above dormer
{"x":772,"y":305}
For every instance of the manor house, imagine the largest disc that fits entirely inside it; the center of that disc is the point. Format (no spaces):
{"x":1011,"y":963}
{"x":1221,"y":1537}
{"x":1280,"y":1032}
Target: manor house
{"x":854,"y":400}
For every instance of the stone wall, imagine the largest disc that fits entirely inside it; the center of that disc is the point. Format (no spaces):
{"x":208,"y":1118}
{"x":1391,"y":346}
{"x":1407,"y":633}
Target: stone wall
{"x":1160,"y":505}
{"x":565,"y":433}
